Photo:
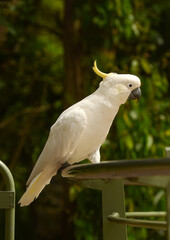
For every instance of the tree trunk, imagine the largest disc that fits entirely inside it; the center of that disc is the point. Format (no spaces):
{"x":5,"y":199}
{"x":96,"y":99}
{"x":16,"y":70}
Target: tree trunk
{"x":73,"y":81}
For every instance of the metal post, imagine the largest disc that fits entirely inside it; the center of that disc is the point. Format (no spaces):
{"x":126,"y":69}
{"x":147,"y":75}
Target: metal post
{"x":113,"y":201}
{"x":8,"y":201}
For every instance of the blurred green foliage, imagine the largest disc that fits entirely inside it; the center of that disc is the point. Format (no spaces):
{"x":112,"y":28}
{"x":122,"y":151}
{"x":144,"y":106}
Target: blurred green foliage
{"x":47,"y":49}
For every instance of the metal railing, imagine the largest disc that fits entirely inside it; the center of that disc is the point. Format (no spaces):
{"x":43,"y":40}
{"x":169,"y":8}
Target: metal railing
{"x":7,"y":201}
{"x":115,"y":217}
{"x":110,"y":177}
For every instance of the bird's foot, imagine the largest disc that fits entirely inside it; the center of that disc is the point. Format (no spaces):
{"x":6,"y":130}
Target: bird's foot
{"x":64,"y":165}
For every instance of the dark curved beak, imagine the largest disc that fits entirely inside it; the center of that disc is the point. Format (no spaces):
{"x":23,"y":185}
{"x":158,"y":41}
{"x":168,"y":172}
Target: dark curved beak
{"x":135,"y":94}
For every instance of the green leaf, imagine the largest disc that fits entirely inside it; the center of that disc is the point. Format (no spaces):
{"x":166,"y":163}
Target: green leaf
{"x":147,"y":67}
{"x":129,"y":142}
{"x":149,"y":141}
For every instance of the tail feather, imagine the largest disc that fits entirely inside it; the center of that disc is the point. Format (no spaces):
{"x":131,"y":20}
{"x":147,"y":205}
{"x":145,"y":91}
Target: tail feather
{"x":35,"y":187}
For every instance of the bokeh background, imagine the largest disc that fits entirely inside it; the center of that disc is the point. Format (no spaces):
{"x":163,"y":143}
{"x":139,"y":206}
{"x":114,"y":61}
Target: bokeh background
{"x":47,"y":49}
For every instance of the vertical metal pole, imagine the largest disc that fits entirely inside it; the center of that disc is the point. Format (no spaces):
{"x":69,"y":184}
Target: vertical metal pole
{"x":10,"y":212}
{"x":167,"y":153}
{"x":113,"y":201}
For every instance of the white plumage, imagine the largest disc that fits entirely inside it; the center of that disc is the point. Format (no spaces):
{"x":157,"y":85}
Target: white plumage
{"x":81,"y":129}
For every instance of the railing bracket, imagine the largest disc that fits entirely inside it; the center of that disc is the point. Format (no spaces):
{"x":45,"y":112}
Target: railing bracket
{"x":115,"y":217}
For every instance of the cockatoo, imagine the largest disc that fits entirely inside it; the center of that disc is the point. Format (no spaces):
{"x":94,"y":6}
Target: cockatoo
{"x":81,"y":129}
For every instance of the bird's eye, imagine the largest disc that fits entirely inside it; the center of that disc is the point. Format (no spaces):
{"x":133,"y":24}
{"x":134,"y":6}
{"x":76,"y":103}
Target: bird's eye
{"x":130,"y":85}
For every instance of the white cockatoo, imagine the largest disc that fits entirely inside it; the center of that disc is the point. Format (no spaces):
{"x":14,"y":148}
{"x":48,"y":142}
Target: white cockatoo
{"x":81,"y":129}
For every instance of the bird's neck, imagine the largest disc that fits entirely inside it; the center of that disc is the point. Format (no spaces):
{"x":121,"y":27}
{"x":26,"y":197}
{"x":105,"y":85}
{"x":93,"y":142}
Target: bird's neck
{"x":112,"y":95}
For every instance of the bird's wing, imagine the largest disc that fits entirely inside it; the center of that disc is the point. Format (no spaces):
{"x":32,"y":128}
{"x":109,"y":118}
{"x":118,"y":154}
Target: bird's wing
{"x":62,"y":141}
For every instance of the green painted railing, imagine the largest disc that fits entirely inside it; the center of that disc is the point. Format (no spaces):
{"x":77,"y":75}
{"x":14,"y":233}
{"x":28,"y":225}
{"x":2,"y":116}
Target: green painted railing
{"x":7,"y":201}
{"x":110,"y":178}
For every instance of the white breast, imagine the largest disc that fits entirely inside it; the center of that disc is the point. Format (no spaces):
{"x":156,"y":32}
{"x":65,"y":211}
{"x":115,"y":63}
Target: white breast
{"x":100,"y":117}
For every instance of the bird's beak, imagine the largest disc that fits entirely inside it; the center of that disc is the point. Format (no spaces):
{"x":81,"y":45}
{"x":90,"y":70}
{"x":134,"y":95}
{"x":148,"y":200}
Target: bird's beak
{"x":135,"y":94}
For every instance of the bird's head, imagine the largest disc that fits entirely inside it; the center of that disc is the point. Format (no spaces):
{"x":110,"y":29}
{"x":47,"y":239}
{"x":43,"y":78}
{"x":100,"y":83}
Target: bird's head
{"x":124,"y":86}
